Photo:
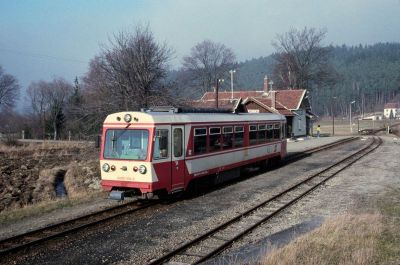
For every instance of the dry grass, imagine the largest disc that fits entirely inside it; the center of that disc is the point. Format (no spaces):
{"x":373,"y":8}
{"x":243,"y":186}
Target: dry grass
{"x":44,"y":188}
{"x":81,"y":178}
{"x":389,"y":240}
{"x":347,"y":239}
{"x":31,"y":210}
{"x":359,"y":238}
{"x":42,"y":146}
{"x":342,"y":127}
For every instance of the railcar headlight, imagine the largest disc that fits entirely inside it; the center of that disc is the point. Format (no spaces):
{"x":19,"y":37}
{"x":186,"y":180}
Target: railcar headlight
{"x":142,"y":169}
{"x":127,"y":117}
{"x":106,"y":167}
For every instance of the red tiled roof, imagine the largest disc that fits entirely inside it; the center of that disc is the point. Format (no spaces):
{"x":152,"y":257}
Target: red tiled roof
{"x":392,"y":105}
{"x":222,"y":104}
{"x":226,"y":95}
{"x":278,"y":106}
{"x":288,"y":98}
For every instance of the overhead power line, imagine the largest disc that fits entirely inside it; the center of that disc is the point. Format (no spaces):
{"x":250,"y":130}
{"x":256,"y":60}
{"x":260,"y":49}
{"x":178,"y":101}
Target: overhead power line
{"x":42,"y":56}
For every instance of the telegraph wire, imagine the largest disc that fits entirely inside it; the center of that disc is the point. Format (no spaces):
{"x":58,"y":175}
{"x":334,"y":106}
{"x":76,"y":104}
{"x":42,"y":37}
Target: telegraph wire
{"x":42,"y":56}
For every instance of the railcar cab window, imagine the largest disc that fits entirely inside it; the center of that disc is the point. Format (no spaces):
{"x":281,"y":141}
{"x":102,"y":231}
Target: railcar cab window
{"x":270,"y":133}
{"x":126,"y":144}
{"x":227,"y":137}
{"x":262,"y":133}
{"x":253,"y":134}
{"x":277,"y":130}
{"x":200,"y":141}
{"x":215,"y":139}
{"x":161,"y":144}
{"x":238,"y":138}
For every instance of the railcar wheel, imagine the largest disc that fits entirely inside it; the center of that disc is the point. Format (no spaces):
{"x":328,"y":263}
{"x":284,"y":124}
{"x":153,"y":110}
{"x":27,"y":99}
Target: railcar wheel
{"x":163,"y":195}
{"x":276,"y":162}
{"x":264,"y":164}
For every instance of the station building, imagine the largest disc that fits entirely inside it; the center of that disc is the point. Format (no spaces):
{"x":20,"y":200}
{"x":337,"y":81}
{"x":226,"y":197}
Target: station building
{"x":294,"y":104}
{"x":391,"y":110}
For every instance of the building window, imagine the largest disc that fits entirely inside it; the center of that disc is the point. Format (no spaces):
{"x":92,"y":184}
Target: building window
{"x":253,"y":134}
{"x":215,"y":139}
{"x":262,"y":133}
{"x":200,"y":141}
{"x":161,"y":144}
{"x":227,"y":137}
{"x":270,"y":133}
{"x":238,"y":136}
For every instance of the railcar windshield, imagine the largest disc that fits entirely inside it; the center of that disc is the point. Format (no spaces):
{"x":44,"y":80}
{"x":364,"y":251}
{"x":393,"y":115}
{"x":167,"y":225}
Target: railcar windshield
{"x":126,"y":144}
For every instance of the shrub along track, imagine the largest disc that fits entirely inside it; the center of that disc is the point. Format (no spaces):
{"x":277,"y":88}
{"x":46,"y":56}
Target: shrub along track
{"x":39,"y":236}
{"x":221,"y":237}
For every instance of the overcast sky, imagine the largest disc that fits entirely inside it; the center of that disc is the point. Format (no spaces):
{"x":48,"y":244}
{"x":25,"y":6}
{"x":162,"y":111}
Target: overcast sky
{"x":55,"y":38}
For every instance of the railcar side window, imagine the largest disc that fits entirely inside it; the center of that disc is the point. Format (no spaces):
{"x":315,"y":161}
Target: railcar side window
{"x":262,"y":133}
{"x":178,"y":150}
{"x":215,"y":139}
{"x":277,"y":130}
{"x":200,"y":141}
{"x":270,"y":133}
{"x":227,"y":137}
{"x":253,"y":134}
{"x":161,"y":144}
{"x":238,"y":138}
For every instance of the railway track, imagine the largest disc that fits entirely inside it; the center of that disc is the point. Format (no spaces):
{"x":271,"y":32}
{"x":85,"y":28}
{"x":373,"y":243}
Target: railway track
{"x":221,"y":237}
{"x":308,"y":152}
{"x":35,"y":237}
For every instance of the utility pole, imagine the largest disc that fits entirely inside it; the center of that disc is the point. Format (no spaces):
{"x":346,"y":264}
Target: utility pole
{"x":351,"y":125}
{"x":231,"y":72}
{"x":333,"y":117}
{"x":216,"y":91}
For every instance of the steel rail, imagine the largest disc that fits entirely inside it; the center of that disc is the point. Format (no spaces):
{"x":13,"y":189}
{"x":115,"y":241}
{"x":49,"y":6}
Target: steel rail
{"x":303,"y":154}
{"x":34,"y":237}
{"x":368,"y":149}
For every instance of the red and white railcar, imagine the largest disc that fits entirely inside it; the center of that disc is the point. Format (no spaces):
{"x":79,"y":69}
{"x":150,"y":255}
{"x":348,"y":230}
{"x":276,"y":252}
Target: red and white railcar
{"x":161,"y":152}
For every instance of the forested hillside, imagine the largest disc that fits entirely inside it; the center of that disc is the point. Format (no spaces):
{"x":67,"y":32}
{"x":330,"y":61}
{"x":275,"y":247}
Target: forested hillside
{"x":370,"y":75}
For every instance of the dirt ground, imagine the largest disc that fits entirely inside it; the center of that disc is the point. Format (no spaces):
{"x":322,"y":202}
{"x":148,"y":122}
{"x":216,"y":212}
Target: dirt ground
{"x":28,"y":174}
{"x":137,"y":238}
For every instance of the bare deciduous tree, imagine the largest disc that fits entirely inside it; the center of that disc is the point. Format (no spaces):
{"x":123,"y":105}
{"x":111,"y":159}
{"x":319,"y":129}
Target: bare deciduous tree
{"x":128,"y":75}
{"x":9,"y":90}
{"x":134,"y":66}
{"x":301,"y":60}
{"x":207,"y":62}
{"x":37,"y":93}
{"x":48,"y":100}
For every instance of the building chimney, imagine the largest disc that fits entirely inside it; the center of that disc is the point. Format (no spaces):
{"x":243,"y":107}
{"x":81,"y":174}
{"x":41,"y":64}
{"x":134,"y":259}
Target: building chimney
{"x":265,"y":88}
{"x":273,"y":99}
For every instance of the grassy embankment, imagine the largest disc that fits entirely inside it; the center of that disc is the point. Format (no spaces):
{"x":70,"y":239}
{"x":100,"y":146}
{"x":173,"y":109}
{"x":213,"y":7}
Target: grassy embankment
{"x":29,"y":171}
{"x":40,"y":208}
{"x":371,"y":236}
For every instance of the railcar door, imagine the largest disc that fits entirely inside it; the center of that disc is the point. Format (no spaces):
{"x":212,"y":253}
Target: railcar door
{"x":178,"y":158}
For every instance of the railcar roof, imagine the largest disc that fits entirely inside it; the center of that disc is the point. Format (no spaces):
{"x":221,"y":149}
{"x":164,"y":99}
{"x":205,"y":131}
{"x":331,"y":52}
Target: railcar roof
{"x":168,"y":117}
